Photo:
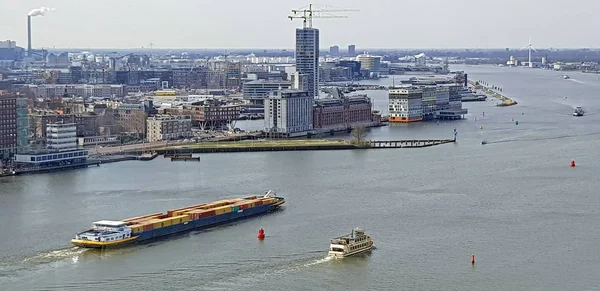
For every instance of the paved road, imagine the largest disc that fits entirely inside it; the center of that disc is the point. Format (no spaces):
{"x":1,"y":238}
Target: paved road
{"x":140,"y":146}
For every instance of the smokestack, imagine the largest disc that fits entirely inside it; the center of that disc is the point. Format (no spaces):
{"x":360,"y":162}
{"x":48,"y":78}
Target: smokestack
{"x":35,"y":12}
{"x":29,"y":35}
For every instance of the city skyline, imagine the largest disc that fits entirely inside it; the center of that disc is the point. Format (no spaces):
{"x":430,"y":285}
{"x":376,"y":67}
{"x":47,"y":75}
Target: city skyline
{"x":425,"y":24}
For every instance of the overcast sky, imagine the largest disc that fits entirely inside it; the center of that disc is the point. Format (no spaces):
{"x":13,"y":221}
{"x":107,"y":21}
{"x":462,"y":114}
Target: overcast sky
{"x":264,"y":23}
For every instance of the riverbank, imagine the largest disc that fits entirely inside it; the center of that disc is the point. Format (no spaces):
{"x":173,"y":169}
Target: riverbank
{"x":493,"y":94}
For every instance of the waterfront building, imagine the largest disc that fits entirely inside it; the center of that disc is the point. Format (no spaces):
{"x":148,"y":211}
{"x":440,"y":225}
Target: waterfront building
{"x":425,"y":102}
{"x":259,"y":90}
{"x":405,"y":105}
{"x":370,"y":63}
{"x":351,"y":50}
{"x":336,"y":114}
{"x":61,"y":148}
{"x":307,"y":57}
{"x":289,"y":113}
{"x":14,"y":125}
{"x":169,"y":127}
{"x":354,"y":67}
{"x":208,"y":114}
{"x":131,"y":118}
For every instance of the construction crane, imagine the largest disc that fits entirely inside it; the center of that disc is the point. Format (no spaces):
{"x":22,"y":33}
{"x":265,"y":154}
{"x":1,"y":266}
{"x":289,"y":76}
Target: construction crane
{"x":307,"y":15}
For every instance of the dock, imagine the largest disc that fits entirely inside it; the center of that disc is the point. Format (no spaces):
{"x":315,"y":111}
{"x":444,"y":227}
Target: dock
{"x":184,"y":157}
{"x":505,"y":100}
{"x":416,"y":143}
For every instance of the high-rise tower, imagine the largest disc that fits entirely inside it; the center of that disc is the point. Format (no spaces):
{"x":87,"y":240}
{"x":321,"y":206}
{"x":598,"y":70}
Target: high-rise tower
{"x":307,"y":57}
{"x":307,"y":45}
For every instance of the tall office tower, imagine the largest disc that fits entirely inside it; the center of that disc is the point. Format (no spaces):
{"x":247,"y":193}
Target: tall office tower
{"x":351,"y":50}
{"x":307,"y":57}
{"x":334,"y":50}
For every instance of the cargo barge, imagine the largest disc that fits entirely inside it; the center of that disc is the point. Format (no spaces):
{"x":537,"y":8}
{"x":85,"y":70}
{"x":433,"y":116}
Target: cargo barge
{"x":110,"y":233}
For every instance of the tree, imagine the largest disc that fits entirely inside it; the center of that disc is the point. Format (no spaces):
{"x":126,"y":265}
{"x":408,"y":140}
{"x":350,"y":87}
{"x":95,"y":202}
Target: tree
{"x":358,"y":135}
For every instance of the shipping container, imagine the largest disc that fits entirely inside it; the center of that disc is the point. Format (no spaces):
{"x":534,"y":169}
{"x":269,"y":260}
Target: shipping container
{"x":235,"y":208}
{"x":197,"y":214}
{"x":258,"y":203}
{"x":141,"y":217}
{"x":250,"y":197}
{"x":222,"y":210}
{"x":242,"y":205}
{"x":148,"y":227}
{"x":269,"y":201}
{"x":180,"y":219}
{"x":137,"y":228}
{"x":187,"y":207}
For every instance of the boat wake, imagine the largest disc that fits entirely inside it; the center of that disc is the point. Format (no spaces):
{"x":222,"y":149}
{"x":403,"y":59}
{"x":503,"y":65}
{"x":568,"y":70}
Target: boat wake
{"x":577,"y":81}
{"x":541,"y":138}
{"x":319,"y":261}
{"x":56,"y":255}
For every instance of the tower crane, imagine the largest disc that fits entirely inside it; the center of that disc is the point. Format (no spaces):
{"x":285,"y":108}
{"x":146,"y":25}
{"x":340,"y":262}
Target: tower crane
{"x":307,"y":15}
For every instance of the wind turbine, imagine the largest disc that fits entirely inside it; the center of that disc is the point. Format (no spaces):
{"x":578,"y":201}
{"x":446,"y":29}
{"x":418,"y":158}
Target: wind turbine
{"x":530,"y":47}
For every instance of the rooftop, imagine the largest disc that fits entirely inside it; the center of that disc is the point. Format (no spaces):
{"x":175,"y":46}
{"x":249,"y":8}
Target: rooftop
{"x":110,"y":223}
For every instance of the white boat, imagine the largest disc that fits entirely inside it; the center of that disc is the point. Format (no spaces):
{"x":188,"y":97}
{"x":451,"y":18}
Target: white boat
{"x":578,"y":111}
{"x":566,"y":77}
{"x":351,"y":244}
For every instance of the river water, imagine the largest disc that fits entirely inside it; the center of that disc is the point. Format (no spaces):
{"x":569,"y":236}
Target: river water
{"x":530,"y":219}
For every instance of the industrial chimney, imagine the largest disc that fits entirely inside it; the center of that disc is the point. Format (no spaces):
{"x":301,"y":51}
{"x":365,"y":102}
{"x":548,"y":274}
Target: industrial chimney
{"x":33,"y":13}
{"x":29,"y":35}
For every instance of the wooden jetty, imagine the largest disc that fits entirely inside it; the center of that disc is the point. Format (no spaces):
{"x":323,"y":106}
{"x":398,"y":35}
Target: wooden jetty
{"x":184,"y":157}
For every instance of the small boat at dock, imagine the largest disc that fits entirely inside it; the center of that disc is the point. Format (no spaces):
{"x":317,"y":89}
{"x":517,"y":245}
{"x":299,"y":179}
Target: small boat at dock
{"x":348,"y":245}
{"x":148,"y":156}
{"x":184,"y":157}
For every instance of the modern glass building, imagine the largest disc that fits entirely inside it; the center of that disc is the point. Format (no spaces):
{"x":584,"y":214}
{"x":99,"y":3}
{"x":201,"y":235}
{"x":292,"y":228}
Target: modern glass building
{"x":307,"y":57}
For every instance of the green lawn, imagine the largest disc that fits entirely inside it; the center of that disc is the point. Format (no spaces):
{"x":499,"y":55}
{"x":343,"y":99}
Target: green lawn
{"x":269,"y":143}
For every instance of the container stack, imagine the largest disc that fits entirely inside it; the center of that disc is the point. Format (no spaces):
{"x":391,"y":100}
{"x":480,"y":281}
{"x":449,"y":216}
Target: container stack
{"x":194,"y":212}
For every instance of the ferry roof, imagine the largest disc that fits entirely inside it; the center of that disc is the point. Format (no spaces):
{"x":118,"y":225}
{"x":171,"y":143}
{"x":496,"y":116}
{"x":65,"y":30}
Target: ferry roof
{"x":110,"y":223}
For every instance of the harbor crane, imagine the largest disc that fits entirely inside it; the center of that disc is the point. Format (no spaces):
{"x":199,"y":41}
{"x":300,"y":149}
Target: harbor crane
{"x":307,"y":15}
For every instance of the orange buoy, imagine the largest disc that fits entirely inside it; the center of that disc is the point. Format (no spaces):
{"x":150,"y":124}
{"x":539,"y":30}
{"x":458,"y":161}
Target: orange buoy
{"x":261,"y":234}
{"x":473,"y":259}
{"x":572,"y":163}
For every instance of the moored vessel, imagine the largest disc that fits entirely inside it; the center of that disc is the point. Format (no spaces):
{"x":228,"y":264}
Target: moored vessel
{"x":578,"y":111}
{"x":351,"y":244}
{"x":109,"y":233}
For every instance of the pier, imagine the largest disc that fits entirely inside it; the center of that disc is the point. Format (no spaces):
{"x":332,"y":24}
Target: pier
{"x":297,"y":145}
{"x":416,"y":143}
{"x":505,"y":100}
{"x":184,"y":157}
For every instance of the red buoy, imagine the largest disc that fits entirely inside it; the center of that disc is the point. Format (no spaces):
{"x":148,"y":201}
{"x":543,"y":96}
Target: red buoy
{"x":473,"y":259}
{"x":572,"y":163}
{"x":261,"y":234}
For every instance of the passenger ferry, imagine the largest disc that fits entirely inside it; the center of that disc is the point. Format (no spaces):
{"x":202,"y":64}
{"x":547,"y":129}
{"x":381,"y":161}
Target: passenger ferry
{"x":109,"y":233}
{"x":351,"y":244}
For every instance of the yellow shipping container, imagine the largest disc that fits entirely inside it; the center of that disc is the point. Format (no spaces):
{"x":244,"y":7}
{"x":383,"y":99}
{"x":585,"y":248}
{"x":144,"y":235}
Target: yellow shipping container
{"x":222,"y":210}
{"x":180,"y":219}
{"x":137,"y":228}
{"x":250,"y":197}
{"x":142,"y":217}
{"x":159,"y":223}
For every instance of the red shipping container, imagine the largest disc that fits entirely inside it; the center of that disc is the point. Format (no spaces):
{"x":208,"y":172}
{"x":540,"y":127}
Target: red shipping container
{"x":258,"y":203}
{"x":148,"y":227}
